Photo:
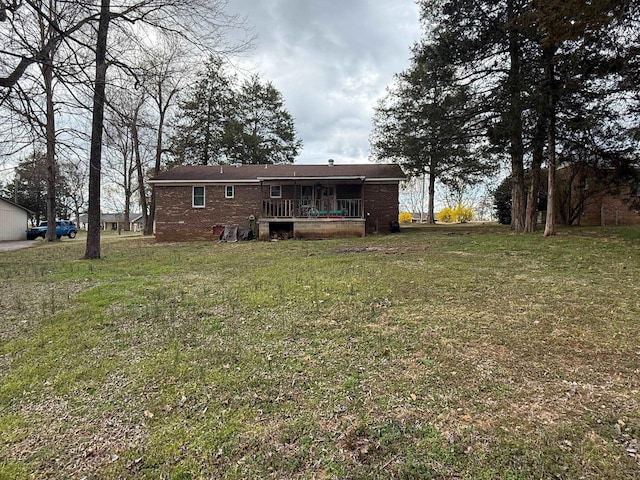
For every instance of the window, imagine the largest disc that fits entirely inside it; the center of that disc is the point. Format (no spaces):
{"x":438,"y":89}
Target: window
{"x":198,"y":197}
{"x":276,"y":191}
{"x":229,"y":191}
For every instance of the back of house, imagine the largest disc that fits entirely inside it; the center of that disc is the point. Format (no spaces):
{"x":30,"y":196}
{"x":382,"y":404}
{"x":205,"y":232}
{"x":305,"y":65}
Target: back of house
{"x":276,"y":201}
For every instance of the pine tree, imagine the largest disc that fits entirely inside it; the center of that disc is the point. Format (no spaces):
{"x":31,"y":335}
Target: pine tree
{"x":222,"y":123}
{"x":423,"y":124}
{"x":203,"y":116}
{"x":263,"y":130}
{"x":532,"y":67}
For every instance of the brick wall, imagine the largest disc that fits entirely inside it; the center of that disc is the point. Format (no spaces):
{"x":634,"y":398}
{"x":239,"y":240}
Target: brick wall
{"x":177,"y":220}
{"x":603,"y":203}
{"x":380,"y":205}
{"x":610,"y":210}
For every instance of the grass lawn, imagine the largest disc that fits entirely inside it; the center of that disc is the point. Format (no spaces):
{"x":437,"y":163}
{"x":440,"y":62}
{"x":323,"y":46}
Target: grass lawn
{"x":441,"y":352}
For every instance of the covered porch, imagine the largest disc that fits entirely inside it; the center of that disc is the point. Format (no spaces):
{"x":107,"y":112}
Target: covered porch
{"x":312,"y":209}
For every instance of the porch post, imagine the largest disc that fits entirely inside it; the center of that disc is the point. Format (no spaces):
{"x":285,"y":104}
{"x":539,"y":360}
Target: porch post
{"x":261,"y":198}
{"x":362,"y":200}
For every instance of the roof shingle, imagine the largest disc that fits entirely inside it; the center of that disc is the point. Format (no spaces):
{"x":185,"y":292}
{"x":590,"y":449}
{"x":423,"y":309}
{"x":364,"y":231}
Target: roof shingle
{"x":231,"y":173}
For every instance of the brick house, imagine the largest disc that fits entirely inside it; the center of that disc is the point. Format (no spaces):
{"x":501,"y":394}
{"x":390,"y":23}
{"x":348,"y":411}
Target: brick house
{"x":287,"y":201}
{"x":591,"y":196}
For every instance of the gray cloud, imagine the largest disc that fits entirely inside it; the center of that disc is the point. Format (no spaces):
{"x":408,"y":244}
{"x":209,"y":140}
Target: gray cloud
{"x":332,"y":60}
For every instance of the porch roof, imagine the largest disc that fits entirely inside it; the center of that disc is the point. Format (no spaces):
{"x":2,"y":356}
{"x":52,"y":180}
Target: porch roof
{"x":289,"y":172}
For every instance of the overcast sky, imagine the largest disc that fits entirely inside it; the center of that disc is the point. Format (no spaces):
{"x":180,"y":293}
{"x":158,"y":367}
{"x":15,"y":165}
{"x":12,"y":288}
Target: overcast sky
{"x":331,"y":60}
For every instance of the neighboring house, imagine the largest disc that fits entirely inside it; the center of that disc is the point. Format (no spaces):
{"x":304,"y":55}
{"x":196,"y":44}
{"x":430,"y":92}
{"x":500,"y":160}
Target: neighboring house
{"x":611,"y":209}
{"x":136,"y":224}
{"x":598,"y":196}
{"x":14,"y":220}
{"x":276,"y":201}
{"x":115,"y":222}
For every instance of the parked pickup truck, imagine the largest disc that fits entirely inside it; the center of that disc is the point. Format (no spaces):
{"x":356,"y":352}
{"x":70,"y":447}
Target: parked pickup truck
{"x":64,"y":228}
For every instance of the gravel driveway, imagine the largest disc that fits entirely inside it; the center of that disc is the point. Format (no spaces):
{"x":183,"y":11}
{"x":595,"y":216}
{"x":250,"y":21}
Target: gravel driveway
{"x":15,"y":245}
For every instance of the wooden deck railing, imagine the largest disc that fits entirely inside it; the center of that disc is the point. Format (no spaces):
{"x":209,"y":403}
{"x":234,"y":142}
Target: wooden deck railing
{"x":350,"y":207}
{"x":277,"y":208}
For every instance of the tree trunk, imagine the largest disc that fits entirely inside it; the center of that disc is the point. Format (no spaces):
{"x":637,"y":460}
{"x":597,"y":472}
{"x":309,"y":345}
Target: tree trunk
{"x":516,"y":147}
{"x":148,"y":224}
{"x":549,"y":228}
{"x":95,"y":158}
{"x":431,"y":216}
{"x":518,"y":197}
{"x":127,"y":182}
{"x":47,"y":73}
{"x":534,"y":186}
{"x":531,"y":220}
{"x":422,"y":199}
{"x":127,"y":211}
{"x":138,"y":158}
{"x":148,"y":230}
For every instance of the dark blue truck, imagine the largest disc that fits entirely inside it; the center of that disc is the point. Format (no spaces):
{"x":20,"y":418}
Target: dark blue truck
{"x":64,"y":228}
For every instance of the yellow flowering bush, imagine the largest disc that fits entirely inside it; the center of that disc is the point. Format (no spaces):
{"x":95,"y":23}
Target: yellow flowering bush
{"x":405,"y":217}
{"x":459,"y":214}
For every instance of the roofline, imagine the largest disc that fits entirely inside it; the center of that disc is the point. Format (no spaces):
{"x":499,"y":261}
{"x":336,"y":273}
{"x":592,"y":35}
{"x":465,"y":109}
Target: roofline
{"x":191,"y":182}
{"x":378,"y":180}
{"x":351,"y":177}
{"x":10,"y":202}
{"x":178,"y":182}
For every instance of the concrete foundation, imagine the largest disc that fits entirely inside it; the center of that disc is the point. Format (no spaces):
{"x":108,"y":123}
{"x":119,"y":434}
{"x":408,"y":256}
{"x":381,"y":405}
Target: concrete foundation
{"x":311,"y":228}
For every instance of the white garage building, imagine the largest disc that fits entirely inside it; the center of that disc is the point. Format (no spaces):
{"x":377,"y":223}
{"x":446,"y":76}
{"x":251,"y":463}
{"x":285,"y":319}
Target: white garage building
{"x":13,"y":220}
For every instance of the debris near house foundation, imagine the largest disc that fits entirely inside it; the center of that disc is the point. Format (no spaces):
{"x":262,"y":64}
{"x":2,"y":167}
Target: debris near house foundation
{"x":277,"y":235}
{"x":235,"y":233}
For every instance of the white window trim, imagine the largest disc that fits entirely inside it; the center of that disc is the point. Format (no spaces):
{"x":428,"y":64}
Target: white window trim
{"x":271,"y":195}
{"x":193,"y":197}
{"x":233,"y":191}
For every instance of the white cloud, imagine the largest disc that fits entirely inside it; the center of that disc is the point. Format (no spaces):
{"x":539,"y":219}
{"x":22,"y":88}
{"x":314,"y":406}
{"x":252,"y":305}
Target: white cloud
{"x":332,"y":60}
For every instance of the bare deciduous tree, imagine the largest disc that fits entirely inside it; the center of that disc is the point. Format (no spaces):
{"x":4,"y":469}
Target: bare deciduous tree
{"x":200,"y":23}
{"x":120,"y":164}
{"x":167,"y":71}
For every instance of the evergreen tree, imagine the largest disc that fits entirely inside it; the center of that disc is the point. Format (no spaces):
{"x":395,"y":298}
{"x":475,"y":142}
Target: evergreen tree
{"x":30,"y":187}
{"x":201,"y":123}
{"x":222,"y":123}
{"x":423,"y":124}
{"x":484,"y":41}
{"x":262,"y":130}
{"x":533,"y":67}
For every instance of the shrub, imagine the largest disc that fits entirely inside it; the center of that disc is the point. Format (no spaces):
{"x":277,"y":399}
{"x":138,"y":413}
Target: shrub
{"x":405,"y":217}
{"x":463,"y":214}
{"x":459,"y":214}
{"x":502,"y":201}
{"x":445,"y":215}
